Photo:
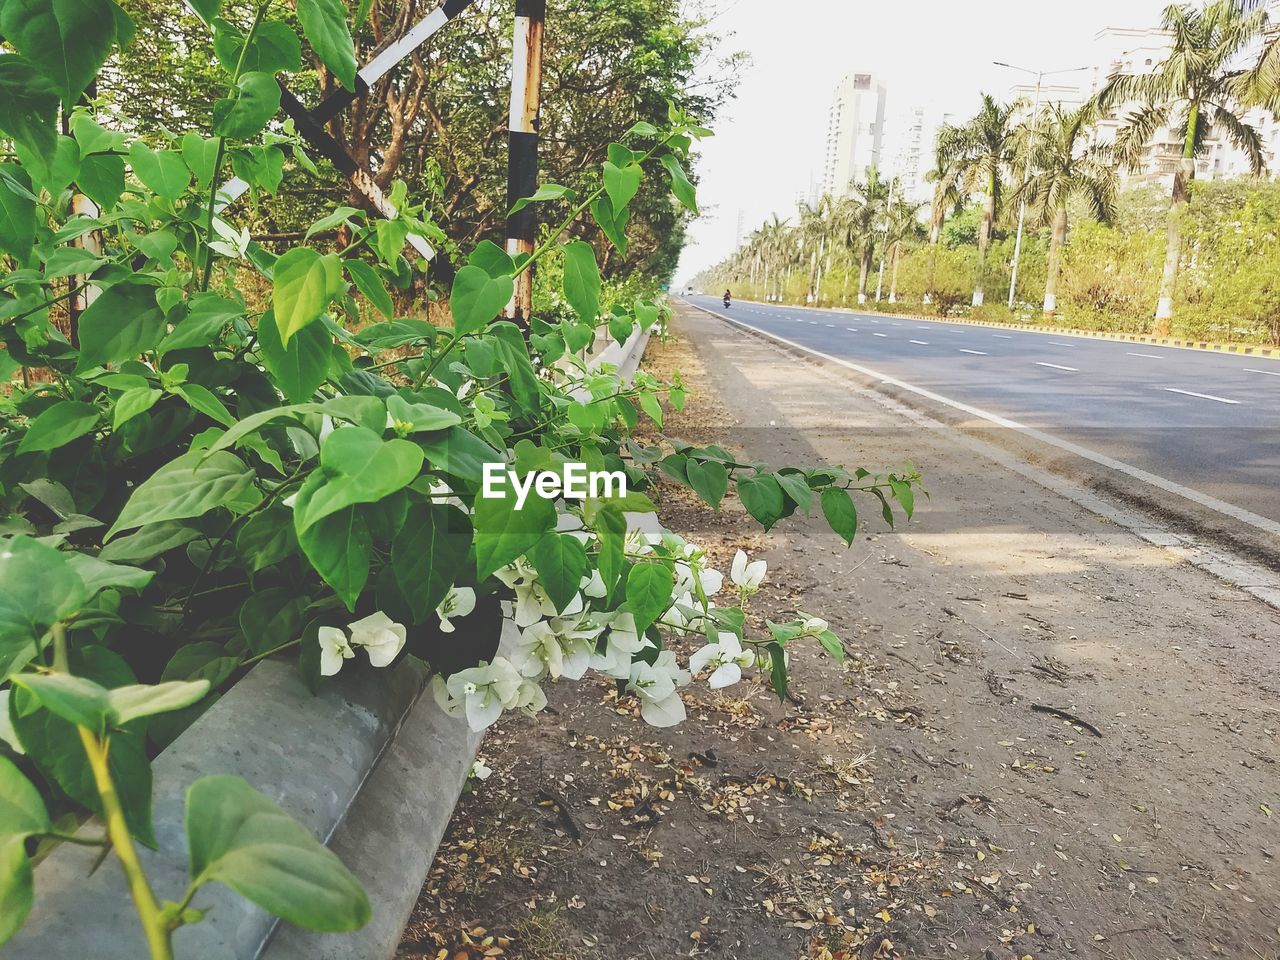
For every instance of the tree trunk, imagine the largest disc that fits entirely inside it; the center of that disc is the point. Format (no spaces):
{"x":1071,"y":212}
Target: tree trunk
{"x":1173,"y":250}
{"x":1056,"y":240}
{"x":984,"y":240}
{"x":893,"y":275}
{"x":863,"y":271}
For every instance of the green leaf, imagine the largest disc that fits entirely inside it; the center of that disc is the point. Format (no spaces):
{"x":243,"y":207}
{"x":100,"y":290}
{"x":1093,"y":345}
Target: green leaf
{"x":428,"y":554}
{"x":122,"y":323}
{"x":77,"y":700}
{"x":269,"y":617}
{"x":148,"y":543}
{"x":614,"y":225}
{"x":17,"y":213}
{"x":200,"y":156}
{"x":561,"y":562}
{"x":98,"y":574}
{"x":28,"y":106}
{"x":709,"y":480}
{"x":389,"y":237}
{"x":421,"y":416}
{"x":478,"y":298}
{"x":299,"y":290}
{"x":797,"y":489}
{"x":59,"y":425}
{"x":621,"y":183}
{"x":492,"y":259}
{"x":163,"y":171}
{"x":206,"y":10}
{"x":762,"y":496}
{"x":339,"y":547}
{"x":189,"y":486}
{"x":67,"y":39}
{"x":243,"y":116}
{"x":206,"y":401}
{"x":359,"y":467}
{"x":236,"y":836}
{"x":257,"y":421}
{"x":371,"y":286}
{"x":841,"y":514}
{"x":548,"y":191}
{"x":40,"y":588}
{"x":207,"y":315}
{"x":267,"y":538}
{"x":17,"y":890}
{"x":101,"y":179}
{"x":324,"y":23}
{"x":22,"y":812}
{"x":147,"y":699}
{"x":680,"y":185}
{"x":275,"y":48}
{"x":299,"y":368}
{"x":504,"y":533}
{"x":582,"y":280}
{"x":67,"y":261}
{"x":649,"y":586}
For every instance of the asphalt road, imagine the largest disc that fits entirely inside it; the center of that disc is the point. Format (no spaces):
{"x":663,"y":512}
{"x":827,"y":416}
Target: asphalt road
{"x":1206,"y":421}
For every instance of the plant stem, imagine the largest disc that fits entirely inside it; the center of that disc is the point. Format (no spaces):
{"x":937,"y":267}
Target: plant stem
{"x":144,"y":900}
{"x":267,"y":653}
{"x":222,"y":149}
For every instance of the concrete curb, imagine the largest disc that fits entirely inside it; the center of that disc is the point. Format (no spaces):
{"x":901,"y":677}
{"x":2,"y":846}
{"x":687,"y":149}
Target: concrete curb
{"x":369,"y":765}
{"x":1242,"y":349}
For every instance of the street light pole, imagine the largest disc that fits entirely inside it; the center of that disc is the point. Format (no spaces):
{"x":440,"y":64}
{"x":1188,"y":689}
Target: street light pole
{"x":1026,"y":173}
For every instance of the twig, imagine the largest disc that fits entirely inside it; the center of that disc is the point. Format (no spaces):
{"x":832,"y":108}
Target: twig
{"x":1069,"y":717}
{"x":562,"y":808}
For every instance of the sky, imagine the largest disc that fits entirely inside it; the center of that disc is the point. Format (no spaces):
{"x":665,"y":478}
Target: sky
{"x":938,"y":54}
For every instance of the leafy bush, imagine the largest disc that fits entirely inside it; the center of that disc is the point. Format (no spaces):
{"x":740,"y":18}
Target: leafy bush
{"x":193,"y":481}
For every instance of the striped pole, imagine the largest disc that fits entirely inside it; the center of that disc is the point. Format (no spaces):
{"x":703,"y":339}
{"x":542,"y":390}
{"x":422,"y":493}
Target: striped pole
{"x":522,"y":157}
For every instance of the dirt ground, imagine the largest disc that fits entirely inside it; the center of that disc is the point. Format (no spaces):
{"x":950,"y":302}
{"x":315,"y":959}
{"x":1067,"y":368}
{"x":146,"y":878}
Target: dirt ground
{"x":1049,"y":739}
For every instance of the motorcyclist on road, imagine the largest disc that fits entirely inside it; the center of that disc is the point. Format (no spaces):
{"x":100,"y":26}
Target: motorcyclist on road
{"x":727,"y":298}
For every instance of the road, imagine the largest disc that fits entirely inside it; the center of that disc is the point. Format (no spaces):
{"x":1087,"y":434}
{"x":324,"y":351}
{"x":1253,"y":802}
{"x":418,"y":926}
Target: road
{"x":1207,"y":422}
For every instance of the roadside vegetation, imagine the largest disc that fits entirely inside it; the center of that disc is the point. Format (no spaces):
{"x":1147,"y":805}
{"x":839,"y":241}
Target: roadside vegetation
{"x":1106,"y":248}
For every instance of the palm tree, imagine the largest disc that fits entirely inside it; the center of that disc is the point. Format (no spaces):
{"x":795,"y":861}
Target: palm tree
{"x":984,"y":151}
{"x":947,"y":196}
{"x":1062,"y":167}
{"x":1195,"y":91}
{"x":864,"y":216}
{"x":904,"y":224}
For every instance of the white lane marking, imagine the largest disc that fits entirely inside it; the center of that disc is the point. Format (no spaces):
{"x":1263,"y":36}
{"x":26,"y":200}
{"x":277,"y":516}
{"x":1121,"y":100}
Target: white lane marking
{"x":923,"y":343}
{"x":813,"y":323}
{"x":895,"y":324}
{"x":1202,"y":396}
{"x":1002,"y":336}
{"x":1269,"y":373}
{"x":922,"y":328}
{"x":831,"y":325}
{"x":1150,"y":356}
{"x":852,"y":329}
{"x":1056,"y":366}
{"x":1058,"y":343}
{"x":978,"y":353}
{"x":1195,"y":496}
{"x":879,"y":334}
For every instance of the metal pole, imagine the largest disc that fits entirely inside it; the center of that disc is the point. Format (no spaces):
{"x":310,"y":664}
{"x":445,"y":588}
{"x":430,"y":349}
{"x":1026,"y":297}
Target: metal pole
{"x":522,"y":157}
{"x":1026,"y":175}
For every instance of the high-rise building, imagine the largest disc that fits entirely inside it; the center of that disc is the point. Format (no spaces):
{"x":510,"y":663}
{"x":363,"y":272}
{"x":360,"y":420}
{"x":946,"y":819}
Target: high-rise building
{"x":855,"y":131}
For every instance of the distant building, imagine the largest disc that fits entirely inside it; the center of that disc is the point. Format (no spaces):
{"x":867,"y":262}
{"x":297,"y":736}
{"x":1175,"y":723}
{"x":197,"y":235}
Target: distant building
{"x":855,"y":131}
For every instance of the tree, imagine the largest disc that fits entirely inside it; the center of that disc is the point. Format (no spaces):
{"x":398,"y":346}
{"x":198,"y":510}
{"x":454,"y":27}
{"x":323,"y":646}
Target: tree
{"x":947,"y":196}
{"x":1195,"y":92}
{"x":864,"y":215}
{"x":1062,"y":167}
{"x":904,"y":224}
{"x":985,"y":148}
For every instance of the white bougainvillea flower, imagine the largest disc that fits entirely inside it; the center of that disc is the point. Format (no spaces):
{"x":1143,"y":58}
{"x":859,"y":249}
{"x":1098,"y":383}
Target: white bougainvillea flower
{"x":593,"y":586}
{"x":623,"y":634}
{"x":657,"y":685}
{"x":7,"y":733}
{"x":712,"y":580}
{"x":728,"y":658}
{"x":530,"y":698}
{"x":537,"y":653}
{"x":231,"y":242}
{"x":381,"y":637}
{"x":334,"y":648}
{"x":814,"y":626}
{"x":747,"y":576}
{"x":481,"y":693}
{"x":481,"y":770}
{"x":459,"y":602}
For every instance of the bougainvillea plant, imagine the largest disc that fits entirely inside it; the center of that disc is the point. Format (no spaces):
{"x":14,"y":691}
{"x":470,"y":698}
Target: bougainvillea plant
{"x":191,"y":481}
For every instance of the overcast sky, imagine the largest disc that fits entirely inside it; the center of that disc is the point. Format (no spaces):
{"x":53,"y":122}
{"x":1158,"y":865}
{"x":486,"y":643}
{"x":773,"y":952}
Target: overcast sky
{"x":936,"y":53}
